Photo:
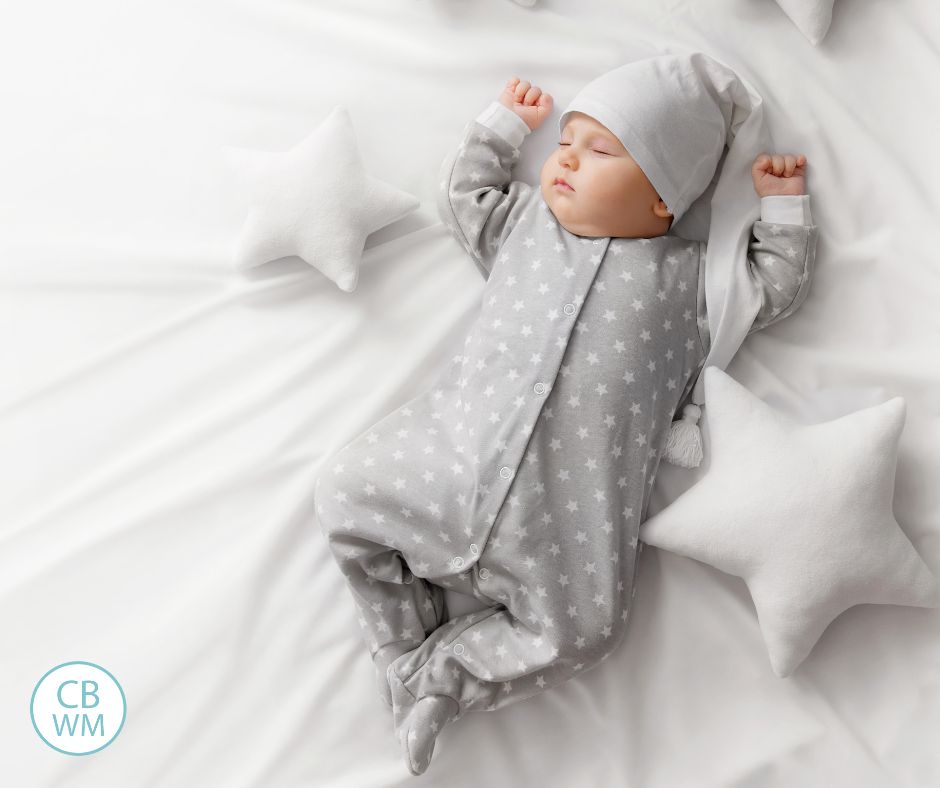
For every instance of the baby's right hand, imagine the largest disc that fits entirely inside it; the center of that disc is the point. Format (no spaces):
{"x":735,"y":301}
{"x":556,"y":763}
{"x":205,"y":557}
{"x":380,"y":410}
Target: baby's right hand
{"x":527,"y":101}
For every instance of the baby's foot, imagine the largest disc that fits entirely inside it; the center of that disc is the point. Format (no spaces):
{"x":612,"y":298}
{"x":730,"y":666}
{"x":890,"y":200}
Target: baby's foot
{"x":382,"y":658}
{"x":421,"y":727}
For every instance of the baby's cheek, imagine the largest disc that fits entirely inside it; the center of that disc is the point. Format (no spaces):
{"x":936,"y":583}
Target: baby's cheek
{"x":547,"y":166}
{"x":589,"y":199}
{"x":623,"y":199}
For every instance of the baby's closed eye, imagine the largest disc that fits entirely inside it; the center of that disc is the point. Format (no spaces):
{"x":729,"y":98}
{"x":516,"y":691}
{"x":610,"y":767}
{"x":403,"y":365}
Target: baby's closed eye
{"x":596,"y":150}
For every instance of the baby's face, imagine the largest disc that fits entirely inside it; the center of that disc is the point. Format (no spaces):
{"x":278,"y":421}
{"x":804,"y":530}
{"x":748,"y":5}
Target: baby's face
{"x":608,"y":195}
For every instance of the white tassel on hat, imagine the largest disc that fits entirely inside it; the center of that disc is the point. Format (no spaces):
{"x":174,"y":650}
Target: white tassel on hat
{"x":684,"y":445}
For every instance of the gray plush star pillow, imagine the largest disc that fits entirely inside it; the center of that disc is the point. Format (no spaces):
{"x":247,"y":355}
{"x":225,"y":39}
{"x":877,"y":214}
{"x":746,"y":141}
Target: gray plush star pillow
{"x":803,"y":513}
{"x":315,"y":201}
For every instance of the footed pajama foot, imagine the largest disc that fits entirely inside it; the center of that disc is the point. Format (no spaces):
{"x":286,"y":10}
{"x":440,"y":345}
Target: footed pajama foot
{"x":418,"y":722}
{"x":382,"y":658}
{"x":422,"y":726}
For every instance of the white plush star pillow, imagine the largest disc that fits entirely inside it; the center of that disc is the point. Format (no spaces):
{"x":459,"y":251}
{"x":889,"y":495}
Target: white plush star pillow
{"x":812,"y":17}
{"x":801,"y":512}
{"x":315,"y":201}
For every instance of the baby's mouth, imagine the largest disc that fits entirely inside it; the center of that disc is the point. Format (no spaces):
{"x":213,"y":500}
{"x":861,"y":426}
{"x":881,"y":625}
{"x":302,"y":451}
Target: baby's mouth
{"x":562,"y":184}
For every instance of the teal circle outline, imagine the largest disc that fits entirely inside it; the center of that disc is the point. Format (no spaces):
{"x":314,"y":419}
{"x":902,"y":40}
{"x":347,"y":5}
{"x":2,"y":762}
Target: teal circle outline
{"x":32,"y":700}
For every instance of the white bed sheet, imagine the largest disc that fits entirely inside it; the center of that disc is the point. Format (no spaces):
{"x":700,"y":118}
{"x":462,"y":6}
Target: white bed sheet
{"x":163,"y":418}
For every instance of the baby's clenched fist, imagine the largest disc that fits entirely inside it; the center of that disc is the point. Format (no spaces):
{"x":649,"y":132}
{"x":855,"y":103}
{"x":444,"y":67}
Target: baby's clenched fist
{"x":779,"y":174}
{"x":527,"y":101}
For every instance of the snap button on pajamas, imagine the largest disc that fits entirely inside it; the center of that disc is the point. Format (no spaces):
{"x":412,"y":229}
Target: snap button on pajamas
{"x":541,"y":496}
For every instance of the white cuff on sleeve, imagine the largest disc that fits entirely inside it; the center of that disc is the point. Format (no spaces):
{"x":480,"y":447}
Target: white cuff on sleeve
{"x":504,"y":122}
{"x":786,"y":209}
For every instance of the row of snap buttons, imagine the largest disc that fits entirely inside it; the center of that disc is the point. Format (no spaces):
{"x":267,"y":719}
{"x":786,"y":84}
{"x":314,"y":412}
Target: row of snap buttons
{"x":458,"y":560}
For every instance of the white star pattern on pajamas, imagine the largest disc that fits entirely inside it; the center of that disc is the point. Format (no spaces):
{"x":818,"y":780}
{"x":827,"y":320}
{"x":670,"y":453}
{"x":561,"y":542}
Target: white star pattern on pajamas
{"x":527,"y":467}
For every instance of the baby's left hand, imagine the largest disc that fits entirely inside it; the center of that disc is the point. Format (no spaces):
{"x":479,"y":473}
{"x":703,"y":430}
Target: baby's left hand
{"x":778,"y":174}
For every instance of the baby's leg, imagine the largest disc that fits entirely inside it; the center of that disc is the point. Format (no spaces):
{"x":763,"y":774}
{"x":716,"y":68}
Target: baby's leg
{"x":539,"y":637}
{"x":396,"y":608}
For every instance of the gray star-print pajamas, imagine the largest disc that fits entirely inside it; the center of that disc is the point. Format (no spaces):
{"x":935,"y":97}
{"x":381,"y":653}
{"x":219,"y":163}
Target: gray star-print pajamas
{"x":522,"y":476}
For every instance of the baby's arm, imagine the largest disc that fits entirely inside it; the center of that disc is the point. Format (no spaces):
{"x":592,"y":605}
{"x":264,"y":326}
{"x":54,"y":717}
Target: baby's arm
{"x":477,"y":200}
{"x":782,"y":251}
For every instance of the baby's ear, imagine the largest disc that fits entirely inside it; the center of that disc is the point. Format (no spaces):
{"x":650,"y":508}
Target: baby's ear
{"x":661,"y":210}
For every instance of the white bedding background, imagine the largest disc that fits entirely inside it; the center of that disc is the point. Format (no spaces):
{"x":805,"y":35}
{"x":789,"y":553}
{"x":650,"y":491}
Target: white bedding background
{"x":163,"y":418}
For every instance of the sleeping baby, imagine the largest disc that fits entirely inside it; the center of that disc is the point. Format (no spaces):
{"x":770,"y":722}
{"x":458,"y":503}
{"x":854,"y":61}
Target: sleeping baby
{"x":522,"y":475}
